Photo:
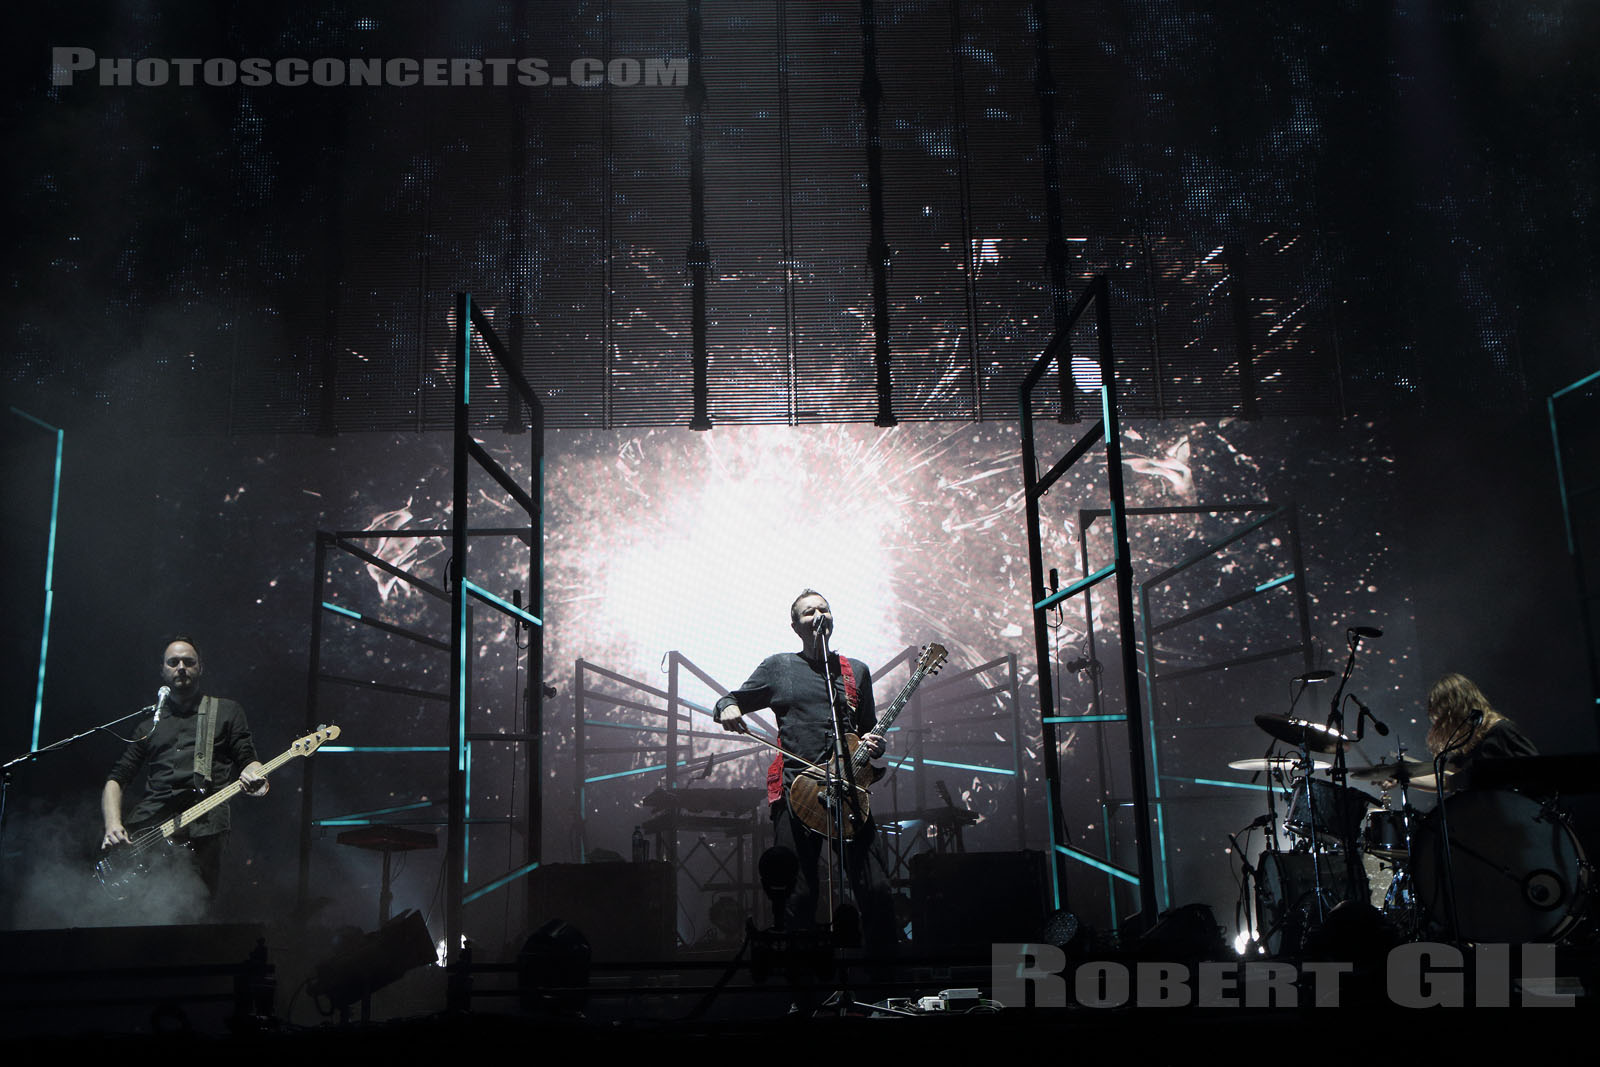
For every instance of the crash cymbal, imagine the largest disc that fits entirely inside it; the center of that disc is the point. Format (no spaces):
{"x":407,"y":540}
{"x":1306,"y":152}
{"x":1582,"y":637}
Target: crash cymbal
{"x":1300,"y":733}
{"x":1275,"y":763}
{"x":1401,"y":770}
{"x":1429,"y":784}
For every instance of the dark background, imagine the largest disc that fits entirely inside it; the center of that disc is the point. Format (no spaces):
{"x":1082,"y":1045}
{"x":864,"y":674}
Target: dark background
{"x":1363,"y":232}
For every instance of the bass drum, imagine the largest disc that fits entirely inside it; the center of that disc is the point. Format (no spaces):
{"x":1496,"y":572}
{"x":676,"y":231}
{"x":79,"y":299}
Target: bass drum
{"x":1520,"y":874}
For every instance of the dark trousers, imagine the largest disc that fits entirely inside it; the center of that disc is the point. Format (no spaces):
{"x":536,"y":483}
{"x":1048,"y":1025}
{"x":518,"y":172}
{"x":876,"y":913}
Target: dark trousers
{"x":866,"y":861}
{"x":208,"y":860}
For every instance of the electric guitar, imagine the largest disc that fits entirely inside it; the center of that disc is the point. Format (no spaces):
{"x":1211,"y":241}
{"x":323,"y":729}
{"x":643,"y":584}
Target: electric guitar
{"x":809,"y":796}
{"x":123,"y":865}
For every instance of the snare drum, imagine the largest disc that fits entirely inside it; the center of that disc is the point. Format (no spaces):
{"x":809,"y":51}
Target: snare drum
{"x":1384,"y":834}
{"x":1338,"y":811}
{"x":1520,"y":873}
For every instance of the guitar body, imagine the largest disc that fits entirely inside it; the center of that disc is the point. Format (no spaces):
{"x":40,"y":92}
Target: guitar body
{"x":809,"y":797}
{"x":812,"y":802}
{"x":124,"y":866}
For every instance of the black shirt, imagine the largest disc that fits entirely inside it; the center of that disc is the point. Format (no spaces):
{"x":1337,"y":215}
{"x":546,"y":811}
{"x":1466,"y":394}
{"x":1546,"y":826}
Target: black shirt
{"x":166,"y":753}
{"x":793,"y":687}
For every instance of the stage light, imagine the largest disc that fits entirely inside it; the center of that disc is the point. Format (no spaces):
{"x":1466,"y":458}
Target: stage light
{"x":372,"y":961}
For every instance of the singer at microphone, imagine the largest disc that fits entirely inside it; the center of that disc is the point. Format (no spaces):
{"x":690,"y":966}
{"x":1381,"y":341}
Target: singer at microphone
{"x":803,"y":690}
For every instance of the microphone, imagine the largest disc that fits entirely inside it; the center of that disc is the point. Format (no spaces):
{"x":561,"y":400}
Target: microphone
{"x":161,"y":699}
{"x":1366,"y":631}
{"x":1383,"y":731}
{"x":1315,"y":676}
{"x":822,"y":623}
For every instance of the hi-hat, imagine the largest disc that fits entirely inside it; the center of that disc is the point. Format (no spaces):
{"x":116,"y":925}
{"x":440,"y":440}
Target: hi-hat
{"x":1276,"y":763}
{"x":1300,"y":733}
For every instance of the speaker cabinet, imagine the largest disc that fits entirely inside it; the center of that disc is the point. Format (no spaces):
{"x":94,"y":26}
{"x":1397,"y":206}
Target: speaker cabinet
{"x":963,"y":901}
{"x":626,"y":911}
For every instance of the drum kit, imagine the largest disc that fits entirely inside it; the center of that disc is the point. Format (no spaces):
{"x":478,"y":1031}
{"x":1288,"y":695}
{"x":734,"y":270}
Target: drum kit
{"x":1485,"y":865}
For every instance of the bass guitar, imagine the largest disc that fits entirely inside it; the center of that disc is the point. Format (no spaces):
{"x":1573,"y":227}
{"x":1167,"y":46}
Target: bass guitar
{"x":810,"y":798}
{"x":121,"y":867}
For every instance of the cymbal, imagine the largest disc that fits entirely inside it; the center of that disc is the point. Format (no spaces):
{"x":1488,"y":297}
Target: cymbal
{"x":1300,"y":733}
{"x":1274,"y":763}
{"x":1401,"y":770}
{"x":1429,"y":784}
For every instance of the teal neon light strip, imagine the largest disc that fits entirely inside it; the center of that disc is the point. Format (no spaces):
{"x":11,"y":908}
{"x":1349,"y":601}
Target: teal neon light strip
{"x":466,"y":839}
{"x":349,"y":817}
{"x":1086,"y":718}
{"x":1098,"y":864}
{"x":626,"y":774}
{"x":499,"y":882}
{"x":968,"y":767}
{"x":1561,"y":478}
{"x":1075,"y":588}
{"x":1111,"y":890}
{"x":625,"y":726}
{"x":49,"y":573}
{"x":1161,"y":841}
{"x":461,"y":686}
{"x":1050,"y":821}
{"x":1275,"y":583}
{"x":337,"y":610}
{"x":1225,"y":785}
{"x":466,"y":353}
{"x":1579,"y":384}
{"x":483,"y":594}
{"x":384,"y":748}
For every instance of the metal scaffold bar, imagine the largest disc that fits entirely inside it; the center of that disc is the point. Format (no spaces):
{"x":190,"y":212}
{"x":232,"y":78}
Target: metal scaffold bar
{"x":1095,"y":297}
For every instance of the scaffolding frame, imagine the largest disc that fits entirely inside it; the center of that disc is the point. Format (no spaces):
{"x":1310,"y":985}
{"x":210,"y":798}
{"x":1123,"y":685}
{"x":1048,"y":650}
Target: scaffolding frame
{"x":1149,"y":629}
{"x":471,"y":325}
{"x":1106,"y":428}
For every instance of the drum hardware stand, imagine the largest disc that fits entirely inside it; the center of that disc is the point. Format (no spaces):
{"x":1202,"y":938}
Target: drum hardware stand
{"x":1339,"y":772}
{"x":1405,"y":821}
{"x":1309,"y":763}
{"x":1439,"y":763}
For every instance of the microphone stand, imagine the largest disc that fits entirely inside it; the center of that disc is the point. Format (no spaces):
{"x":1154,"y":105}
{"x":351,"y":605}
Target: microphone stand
{"x":1440,"y":762}
{"x":27,"y":757}
{"x":840,"y":786}
{"x":1338,"y":772}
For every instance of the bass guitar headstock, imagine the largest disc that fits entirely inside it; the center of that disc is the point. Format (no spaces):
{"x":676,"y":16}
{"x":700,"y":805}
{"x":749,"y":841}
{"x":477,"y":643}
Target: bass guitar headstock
{"x":313,"y":741}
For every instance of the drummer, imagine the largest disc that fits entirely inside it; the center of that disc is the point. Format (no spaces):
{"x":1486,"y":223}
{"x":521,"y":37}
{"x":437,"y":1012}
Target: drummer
{"x":1462,"y":722}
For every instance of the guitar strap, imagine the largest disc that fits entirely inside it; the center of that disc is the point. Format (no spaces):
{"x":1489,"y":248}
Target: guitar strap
{"x":205,"y":740}
{"x":852,"y":697}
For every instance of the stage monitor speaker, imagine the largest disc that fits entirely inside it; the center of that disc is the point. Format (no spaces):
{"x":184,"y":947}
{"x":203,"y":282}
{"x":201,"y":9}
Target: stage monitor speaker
{"x":963,"y":901}
{"x":626,"y":911}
